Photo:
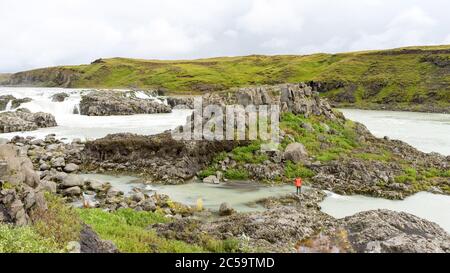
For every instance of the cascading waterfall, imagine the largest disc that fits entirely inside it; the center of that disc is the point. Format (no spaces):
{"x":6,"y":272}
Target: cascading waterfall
{"x":73,"y":125}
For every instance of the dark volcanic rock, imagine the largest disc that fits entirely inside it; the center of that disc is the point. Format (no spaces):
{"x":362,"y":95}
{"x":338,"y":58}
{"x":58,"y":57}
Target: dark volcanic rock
{"x":90,"y":242}
{"x":160,"y":156}
{"x":107,"y":103}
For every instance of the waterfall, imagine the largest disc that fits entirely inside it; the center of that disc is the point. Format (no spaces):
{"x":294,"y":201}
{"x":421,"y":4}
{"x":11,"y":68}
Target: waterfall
{"x":8,"y":106}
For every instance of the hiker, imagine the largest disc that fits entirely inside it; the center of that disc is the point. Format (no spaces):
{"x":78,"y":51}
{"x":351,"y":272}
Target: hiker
{"x":298,"y":184}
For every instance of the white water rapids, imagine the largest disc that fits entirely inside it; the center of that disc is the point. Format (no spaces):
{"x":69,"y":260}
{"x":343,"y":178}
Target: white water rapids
{"x":72,"y":125}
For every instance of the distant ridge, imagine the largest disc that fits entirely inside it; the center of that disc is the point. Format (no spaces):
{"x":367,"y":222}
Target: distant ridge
{"x":410,"y":78}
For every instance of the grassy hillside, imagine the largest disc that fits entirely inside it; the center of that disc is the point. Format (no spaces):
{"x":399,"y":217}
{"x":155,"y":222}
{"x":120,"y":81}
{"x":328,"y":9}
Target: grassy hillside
{"x":399,"y":77}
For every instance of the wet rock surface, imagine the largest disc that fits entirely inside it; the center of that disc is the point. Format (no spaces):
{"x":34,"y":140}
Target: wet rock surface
{"x":60,"y":97}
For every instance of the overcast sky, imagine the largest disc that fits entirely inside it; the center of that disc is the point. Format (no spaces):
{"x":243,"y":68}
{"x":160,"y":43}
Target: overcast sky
{"x":56,"y":32}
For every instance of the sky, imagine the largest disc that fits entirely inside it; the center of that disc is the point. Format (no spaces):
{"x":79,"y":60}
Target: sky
{"x":61,"y":32}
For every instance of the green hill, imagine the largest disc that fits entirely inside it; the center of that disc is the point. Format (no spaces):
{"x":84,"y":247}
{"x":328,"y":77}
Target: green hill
{"x":415,"y":78}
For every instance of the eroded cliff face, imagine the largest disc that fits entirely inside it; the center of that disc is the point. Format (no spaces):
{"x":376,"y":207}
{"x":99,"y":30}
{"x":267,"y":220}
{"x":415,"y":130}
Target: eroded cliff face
{"x":297,"y":98}
{"x":51,"y":77}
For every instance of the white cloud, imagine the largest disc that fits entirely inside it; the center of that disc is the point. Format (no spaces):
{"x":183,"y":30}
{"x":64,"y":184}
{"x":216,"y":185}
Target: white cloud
{"x":272,"y":17}
{"x":410,"y":27}
{"x":54,"y":32}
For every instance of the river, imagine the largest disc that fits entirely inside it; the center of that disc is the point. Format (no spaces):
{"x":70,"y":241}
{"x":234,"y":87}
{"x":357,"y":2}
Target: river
{"x":427,"y":132}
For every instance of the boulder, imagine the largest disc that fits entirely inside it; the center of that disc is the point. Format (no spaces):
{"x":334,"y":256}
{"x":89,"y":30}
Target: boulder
{"x":23,"y":191}
{"x":90,"y":242}
{"x":59,"y":97}
{"x":16,"y":168}
{"x":72,"y":191}
{"x":295,"y":152}
{"x":225,"y":209}
{"x":95,"y":185}
{"x":72,"y":180}
{"x":307,"y":126}
{"x":49,"y":186}
{"x":212,"y":179}
{"x":138,"y":197}
{"x":71,"y":167}
{"x":58,"y":162}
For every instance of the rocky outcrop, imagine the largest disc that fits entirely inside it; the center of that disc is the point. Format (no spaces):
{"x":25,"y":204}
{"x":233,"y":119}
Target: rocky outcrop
{"x":161,"y":157}
{"x":385,"y":231}
{"x":107,"y":103}
{"x":13,"y":101}
{"x":20,"y":187}
{"x":90,"y":242}
{"x":59,"y":97}
{"x":181,"y":102}
{"x":296,"y":153}
{"x":24,"y":120}
{"x":296,"y":98}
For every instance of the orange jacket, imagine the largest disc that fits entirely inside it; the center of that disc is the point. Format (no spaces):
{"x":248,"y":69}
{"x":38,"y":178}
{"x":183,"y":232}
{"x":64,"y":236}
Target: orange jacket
{"x":298,"y":182}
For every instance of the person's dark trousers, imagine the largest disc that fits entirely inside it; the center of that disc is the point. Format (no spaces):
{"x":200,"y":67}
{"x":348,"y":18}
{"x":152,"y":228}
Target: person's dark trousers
{"x":299,"y":190}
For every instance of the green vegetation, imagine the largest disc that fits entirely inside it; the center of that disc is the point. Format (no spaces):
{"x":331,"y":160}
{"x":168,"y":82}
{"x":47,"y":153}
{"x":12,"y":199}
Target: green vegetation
{"x":24,"y":240}
{"x":325,"y":146}
{"x":59,"y":222}
{"x":401,"y":77}
{"x":249,"y":154}
{"x":131,"y":232}
{"x":409,"y":176}
{"x":382,"y":156}
{"x":297,"y":170}
{"x":423,"y":179}
{"x":128,"y":229}
{"x":237,"y":174}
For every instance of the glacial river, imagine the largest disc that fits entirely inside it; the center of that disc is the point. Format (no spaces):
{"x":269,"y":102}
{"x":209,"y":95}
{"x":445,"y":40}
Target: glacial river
{"x":427,"y":132}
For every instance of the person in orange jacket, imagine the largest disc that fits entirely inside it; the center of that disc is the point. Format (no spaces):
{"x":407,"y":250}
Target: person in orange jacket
{"x":298,"y":184}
